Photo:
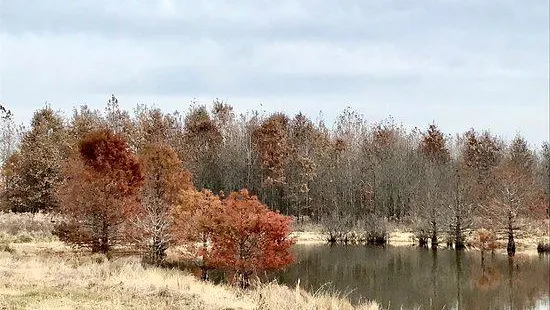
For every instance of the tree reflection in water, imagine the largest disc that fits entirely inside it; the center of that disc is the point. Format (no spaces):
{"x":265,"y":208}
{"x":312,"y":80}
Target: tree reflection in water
{"x":420,"y":278}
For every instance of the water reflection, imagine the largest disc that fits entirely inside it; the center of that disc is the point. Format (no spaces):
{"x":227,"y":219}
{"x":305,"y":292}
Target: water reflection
{"x":415,"y":278}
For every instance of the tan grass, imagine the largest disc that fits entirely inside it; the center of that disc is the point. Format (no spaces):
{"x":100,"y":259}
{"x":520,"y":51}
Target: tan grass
{"x":274,"y":297}
{"x":21,"y":228}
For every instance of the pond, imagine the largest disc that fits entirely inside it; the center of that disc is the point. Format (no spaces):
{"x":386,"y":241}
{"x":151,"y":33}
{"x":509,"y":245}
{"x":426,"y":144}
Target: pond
{"x":417,"y":278}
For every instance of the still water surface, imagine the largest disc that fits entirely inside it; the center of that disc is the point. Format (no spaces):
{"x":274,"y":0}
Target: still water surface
{"x":416,"y":278}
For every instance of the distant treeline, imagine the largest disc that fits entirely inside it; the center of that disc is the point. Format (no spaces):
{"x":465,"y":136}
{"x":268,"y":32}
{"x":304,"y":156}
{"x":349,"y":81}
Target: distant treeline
{"x":350,"y":175}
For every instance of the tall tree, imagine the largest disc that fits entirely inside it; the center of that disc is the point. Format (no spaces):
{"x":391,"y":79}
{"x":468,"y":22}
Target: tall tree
{"x":389,"y":154}
{"x":271,"y":143}
{"x":83,"y":121}
{"x":431,"y":196}
{"x":164,"y":180}
{"x":38,"y":168}
{"x":119,"y":121}
{"x":516,"y":191}
{"x":433,"y":146}
{"x":203,"y":139}
{"x":301,"y":169}
{"x":481,"y":153}
{"x":9,"y":140}
{"x":100,"y":193}
{"x":152,"y":126}
{"x":461,"y":210}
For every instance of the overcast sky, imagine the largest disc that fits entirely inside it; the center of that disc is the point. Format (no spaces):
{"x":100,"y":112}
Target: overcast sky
{"x":460,"y":63}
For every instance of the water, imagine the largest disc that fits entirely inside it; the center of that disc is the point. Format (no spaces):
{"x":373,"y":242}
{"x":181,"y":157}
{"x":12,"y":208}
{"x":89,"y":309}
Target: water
{"x":415,"y":278}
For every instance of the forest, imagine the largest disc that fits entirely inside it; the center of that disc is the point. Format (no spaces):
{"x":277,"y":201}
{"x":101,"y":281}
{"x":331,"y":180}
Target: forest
{"x":353,"y":177}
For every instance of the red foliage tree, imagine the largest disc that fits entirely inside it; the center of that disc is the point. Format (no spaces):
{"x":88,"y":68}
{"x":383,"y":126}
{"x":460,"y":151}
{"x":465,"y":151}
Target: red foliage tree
{"x":249,"y":238}
{"x":100,"y":192}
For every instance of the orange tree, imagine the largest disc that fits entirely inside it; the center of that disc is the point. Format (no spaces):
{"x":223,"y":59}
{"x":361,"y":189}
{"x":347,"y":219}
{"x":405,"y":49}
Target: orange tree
{"x":249,"y":238}
{"x":195,"y":220}
{"x":164,"y":179}
{"x":99,"y":193}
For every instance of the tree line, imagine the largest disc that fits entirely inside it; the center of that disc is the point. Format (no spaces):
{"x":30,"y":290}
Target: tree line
{"x":352,"y":177}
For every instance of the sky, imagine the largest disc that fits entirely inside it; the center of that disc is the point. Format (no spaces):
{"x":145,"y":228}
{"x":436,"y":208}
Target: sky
{"x":458,"y":63}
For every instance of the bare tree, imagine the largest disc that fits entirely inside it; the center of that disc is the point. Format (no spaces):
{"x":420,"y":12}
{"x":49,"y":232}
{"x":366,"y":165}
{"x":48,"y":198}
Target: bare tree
{"x":516,"y":191}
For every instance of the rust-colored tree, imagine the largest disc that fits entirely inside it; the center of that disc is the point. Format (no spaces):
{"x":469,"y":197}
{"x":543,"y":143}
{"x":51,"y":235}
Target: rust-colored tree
{"x":99,"y":193}
{"x":250,"y":238}
{"x":196,"y":218}
{"x":271,"y":143}
{"x":433,"y":145}
{"x":164,"y":179}
{"x":484,"y":240}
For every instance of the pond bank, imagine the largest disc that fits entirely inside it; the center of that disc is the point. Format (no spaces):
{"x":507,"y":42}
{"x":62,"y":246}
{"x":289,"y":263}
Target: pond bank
{"x":526,"y":245}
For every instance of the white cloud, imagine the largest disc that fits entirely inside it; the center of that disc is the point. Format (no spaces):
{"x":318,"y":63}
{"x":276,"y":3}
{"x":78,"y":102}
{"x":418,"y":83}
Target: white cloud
{"x":416,"y":60}
{"x":167,"y":8}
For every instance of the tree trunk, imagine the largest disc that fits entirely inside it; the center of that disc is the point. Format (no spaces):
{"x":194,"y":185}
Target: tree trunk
{"x":104,"y":240}
{"x":158,"y":252}
{"x":435,"y":242}
{"x":511,"y":248}
{"x":204,"y":273}
{"x":459,"y":242}
{"x":244,"y":279}
{"x":483,"y":260}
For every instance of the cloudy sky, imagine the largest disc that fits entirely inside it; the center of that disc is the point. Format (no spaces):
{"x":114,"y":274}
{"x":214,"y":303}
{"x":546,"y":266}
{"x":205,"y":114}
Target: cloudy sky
{"x":460,"y":63}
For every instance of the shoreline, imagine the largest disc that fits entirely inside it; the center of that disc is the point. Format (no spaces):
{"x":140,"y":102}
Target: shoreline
{"x":399,"y":238}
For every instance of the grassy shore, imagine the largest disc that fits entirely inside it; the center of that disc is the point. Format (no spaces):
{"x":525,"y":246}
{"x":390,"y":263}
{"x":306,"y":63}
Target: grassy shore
{"x":39,"y":272}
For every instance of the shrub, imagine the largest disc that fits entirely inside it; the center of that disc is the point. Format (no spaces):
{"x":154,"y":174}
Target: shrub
{"x":249,"y":238}
{"x":543,"y":247}
{"x":336,"y":227}
{"x":375,"y":230}
{"x":6,"y":247}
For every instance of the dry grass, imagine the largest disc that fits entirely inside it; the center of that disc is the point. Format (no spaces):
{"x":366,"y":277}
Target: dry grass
{"x":21,"y":228}
{"x":46,"y":274}
{"x":273,"y":297}
{"x":45,"y":281}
